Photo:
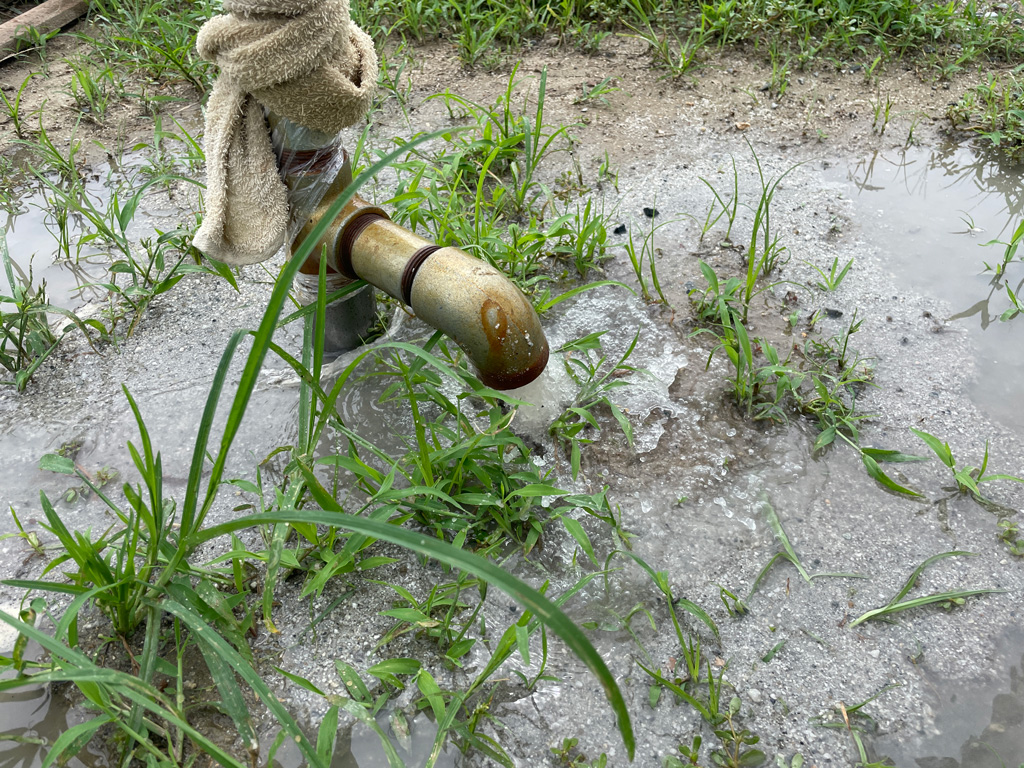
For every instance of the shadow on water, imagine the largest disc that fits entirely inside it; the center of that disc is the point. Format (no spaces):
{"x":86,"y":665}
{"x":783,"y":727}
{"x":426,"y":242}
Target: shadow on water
{"x":932,"y":214}
{"x":975,"y":727}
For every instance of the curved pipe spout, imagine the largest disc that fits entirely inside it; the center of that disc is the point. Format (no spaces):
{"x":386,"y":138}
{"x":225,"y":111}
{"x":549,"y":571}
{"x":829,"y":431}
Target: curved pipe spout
{"x":465,"y":298}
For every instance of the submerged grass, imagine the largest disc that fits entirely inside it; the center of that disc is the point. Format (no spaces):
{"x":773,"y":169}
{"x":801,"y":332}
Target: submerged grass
{"x":944,"y":599}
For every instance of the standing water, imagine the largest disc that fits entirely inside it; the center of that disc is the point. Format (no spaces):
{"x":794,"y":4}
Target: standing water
{"x":942,"y":215}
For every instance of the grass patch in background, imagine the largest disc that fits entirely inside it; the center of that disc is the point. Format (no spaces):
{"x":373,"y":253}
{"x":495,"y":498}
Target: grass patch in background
{"x":949,"y":36}
{"x":994,"y":111}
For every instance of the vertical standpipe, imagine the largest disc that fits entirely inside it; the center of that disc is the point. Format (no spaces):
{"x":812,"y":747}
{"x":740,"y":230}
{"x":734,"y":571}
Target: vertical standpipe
{"x":312,"y":165}
{"x":464,"y":297}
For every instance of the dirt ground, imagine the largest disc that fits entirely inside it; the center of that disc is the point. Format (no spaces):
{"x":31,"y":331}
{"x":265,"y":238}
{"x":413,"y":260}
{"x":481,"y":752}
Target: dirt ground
{"x":830,"y":104}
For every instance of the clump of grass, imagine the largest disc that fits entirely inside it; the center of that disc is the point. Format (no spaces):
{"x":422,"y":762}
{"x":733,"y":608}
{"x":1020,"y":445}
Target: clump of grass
{"x":1009,"y":534}
{"x":994,"y":111}
{"x":92,"y":90}
{"x":596,"y":376}
{"x":647,"y":255}
{"x":822,"y":385}
{"x":948,"y":36}
{"x":967,"y":478}
{"x":138,"y":272}
{"x":999,"y":278}
{"x":597,"y":93}
{"x":482,"y":192}
{"x":152,"y":39}
{"x":831,"y":280}
{"x":668,"y":51}
{"x":13,"y":108}
{"x":26,"y":339}
{"x":26,"y":336}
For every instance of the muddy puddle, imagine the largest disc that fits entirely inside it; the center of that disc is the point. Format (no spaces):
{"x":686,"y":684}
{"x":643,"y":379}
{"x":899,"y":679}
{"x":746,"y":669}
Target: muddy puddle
{"x":31,"y":719}
{"x":931,"y":212}
{"x":693,"y":487}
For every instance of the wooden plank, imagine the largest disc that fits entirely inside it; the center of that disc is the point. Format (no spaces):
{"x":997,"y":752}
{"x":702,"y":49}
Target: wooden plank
{"x":51,"y":15}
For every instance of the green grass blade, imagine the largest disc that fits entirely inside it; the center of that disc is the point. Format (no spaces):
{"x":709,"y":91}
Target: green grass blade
{"x":909,"y":584}
{"x":327,"y":736}
{"x":764,"y":572}
{"x":941,"y":597}
{"x":50,"y":586}
{"x":776,"y":526}
{"x":542,"y":308}
{"x":940,"y":448}
{"x":73,"y":740}
{"x":678,"y":691}
{"x":890,"y":456}
{"x":576,"y":531}
{"x":689,"y":606}
{"x":879,"y":476}
{"x":223,"y":676}
{"x":215,"y":644}
{"x":195,"y":474}
{"x":423,"y":544}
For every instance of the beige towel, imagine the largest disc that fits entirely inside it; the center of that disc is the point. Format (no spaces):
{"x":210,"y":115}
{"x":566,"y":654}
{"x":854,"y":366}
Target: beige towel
{"x":302,"y":59}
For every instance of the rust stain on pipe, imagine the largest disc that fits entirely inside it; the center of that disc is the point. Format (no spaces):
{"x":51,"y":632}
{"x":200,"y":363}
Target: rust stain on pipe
{"x":486,"y":315}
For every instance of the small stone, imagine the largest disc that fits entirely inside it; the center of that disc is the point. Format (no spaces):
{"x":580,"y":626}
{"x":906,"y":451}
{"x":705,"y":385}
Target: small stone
{"x":754,"y":695}
{"x":875,"y":653}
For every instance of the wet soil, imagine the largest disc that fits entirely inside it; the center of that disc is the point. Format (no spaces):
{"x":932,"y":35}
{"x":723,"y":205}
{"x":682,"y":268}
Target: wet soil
{"x":693,"y":487}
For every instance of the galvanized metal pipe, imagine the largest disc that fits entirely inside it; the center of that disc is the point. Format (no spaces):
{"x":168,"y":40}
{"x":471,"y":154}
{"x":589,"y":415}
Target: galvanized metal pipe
{"x":464,"y":297}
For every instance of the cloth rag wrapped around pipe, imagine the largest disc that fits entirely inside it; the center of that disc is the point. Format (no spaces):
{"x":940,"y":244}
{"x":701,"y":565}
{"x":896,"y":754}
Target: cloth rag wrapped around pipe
{"x":301,"y":59}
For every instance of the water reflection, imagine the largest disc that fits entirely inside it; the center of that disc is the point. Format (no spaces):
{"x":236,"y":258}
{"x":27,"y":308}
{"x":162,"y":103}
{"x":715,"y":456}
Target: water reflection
{"x":984,"y":309}
{"x":929,"y":213}
{"x":36,"y":223}
{"x":31,"y":720}
{"x":987,"y":182}
{"x":979,"y":727}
